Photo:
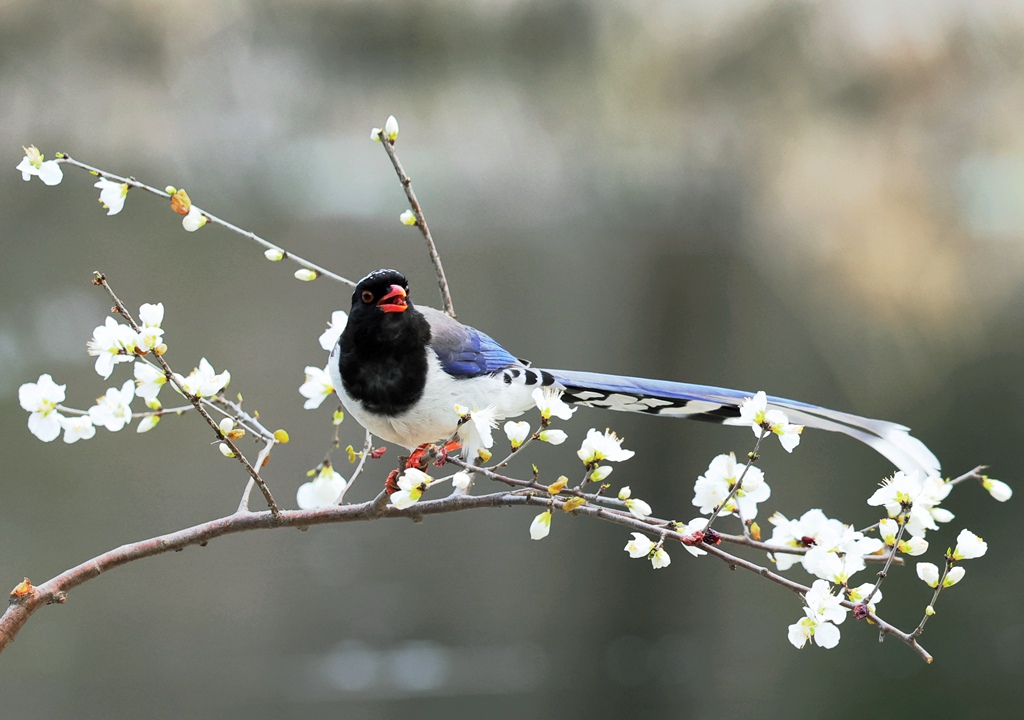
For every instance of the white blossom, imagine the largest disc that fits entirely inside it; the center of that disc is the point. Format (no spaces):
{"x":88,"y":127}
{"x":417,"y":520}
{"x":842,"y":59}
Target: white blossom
{"x":151,"y":315}
{"x":755,"y":411}
{"x":79,"y":427}
{"x":811,"y":529}
{"x":329,"y":338}
{"x":149,"y":339}
{"x":857,"y":594}
{"x":204,"y":381}
{"x":462,"y":480}
{"x":660,"y":558}
{"x":541,"y":526}
{"x":969,"y":546}
{"x":848,"y":546}
{"x":640,"y":546}
{"x":147,"y":423}
{"x":638,"y":507}
{"x":391,"y":128}
{"x":112,"y":195}
{"x":929,"y":573}
{"x":888,"y":529}
{"x":998,"y":489}
{"x":325,"y":490}
{"x":149,"y":380}
{"x":602,"y":446}
{"x":822,"y":614}
{"x":697,"y":525}
{"x":476,"y":433}
{"x":411,"y":485}
{"x":517,"y":432}
{"x":33,"y":164}
{"x":712,"y":488}
{"x":194,"y":219}
{"x":111,"y":343}
{"x":549,"y":402}
{"x":921,"y":496}
{"x":552,"y":436}
{"x":41,"y":399}
{"x":113,"y":410}
{"x":955,"y":575}
{"x":317,"y":388}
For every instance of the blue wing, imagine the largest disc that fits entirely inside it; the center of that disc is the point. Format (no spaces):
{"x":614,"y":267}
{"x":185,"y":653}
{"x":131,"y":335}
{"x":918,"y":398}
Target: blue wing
{"x":465,"y":352}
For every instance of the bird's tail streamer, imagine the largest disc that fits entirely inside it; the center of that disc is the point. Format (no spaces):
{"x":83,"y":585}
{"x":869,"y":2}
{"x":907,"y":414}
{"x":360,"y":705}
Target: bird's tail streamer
{"x":721,"y":405}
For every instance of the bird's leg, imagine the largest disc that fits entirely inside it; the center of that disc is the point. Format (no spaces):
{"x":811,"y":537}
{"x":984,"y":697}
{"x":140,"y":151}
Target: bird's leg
{"x":442,"y":453}
{"x":414,"y":460}
{"x":419,"y":459}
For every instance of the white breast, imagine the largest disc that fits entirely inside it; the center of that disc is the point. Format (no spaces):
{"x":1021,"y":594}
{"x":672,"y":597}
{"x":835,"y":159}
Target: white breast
{"x":434,"y":418}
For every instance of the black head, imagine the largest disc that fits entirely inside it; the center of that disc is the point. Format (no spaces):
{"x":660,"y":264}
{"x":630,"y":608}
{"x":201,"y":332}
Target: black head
{"x":382,"y":353}
{"x":384,"y":291}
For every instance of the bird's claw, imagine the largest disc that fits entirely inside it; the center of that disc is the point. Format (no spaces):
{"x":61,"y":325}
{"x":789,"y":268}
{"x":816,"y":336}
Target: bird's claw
{"x":442,"y":454}
{"x":416,"y":458}
{"x":391,"y":484}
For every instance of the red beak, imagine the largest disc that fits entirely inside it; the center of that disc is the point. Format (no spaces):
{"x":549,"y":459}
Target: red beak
{"x":394,"y":301}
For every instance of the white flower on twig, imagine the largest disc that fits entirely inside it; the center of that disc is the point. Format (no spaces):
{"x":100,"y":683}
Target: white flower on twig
{"x":41,"y":399}
{"x":112,"y":195}
{"x":33,"y":164}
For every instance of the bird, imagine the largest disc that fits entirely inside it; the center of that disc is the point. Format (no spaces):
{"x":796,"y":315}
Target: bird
{"x":401,"y":370}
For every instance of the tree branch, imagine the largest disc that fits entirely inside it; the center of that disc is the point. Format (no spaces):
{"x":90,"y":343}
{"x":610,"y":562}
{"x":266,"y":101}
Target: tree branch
{"x":54,"y":591}
{"x":64,"y":158}
{"x":196,"y":402}
{"x":421,"y":222}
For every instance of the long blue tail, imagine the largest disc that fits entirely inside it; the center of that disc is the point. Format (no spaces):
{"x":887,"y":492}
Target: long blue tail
{"x":721,"y":405}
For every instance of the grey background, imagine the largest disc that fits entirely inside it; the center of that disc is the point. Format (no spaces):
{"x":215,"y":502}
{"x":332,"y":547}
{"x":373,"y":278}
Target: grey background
{"x":822,"y":200}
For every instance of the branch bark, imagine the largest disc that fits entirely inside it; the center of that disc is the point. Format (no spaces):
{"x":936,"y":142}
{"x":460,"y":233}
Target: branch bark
{"x":55,"y":591}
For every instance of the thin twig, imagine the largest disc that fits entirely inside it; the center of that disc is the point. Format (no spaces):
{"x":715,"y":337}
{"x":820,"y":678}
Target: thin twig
{"x":886,"y":628}
{"x":261,"y":460}
{"x":245,"y":418}
{"x":421,"y":222}
{"x":367,"y":448}
{"x":140,"y":414}
{"x":132,"y":182}
{"x":973,"y":474}
{"x":194,"y":399}
{"x":751,"y":457}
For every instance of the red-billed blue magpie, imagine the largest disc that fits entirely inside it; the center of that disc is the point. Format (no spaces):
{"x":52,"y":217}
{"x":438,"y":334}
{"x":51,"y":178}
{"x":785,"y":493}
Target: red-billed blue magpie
{"x":400,"y":370}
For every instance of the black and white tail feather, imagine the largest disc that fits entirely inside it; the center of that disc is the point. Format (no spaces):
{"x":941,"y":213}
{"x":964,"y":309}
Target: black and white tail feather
{"x":401,"y":372}
{"x":721,"y":405}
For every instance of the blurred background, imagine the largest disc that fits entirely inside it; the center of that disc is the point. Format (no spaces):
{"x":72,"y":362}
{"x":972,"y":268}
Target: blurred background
{"x":822,"y":200}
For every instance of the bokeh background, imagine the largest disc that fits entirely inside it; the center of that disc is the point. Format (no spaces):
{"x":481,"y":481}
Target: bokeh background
{"x":819,"y":199}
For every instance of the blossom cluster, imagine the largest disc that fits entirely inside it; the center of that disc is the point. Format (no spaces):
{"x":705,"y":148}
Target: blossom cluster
{"x":112,"y":344}
{"x":833,"y":551}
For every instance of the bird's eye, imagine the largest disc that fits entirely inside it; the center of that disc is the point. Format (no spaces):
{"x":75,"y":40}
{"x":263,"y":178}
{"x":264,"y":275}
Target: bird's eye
{"x":367,"y":296}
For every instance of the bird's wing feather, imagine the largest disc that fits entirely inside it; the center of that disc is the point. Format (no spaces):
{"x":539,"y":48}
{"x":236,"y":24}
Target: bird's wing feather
{"x":465,"y":352}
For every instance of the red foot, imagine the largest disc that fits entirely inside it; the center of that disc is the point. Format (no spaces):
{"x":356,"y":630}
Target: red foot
{"x":391,"y":484}
{"x":442,"y":456}
{"x":416,"y":457}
